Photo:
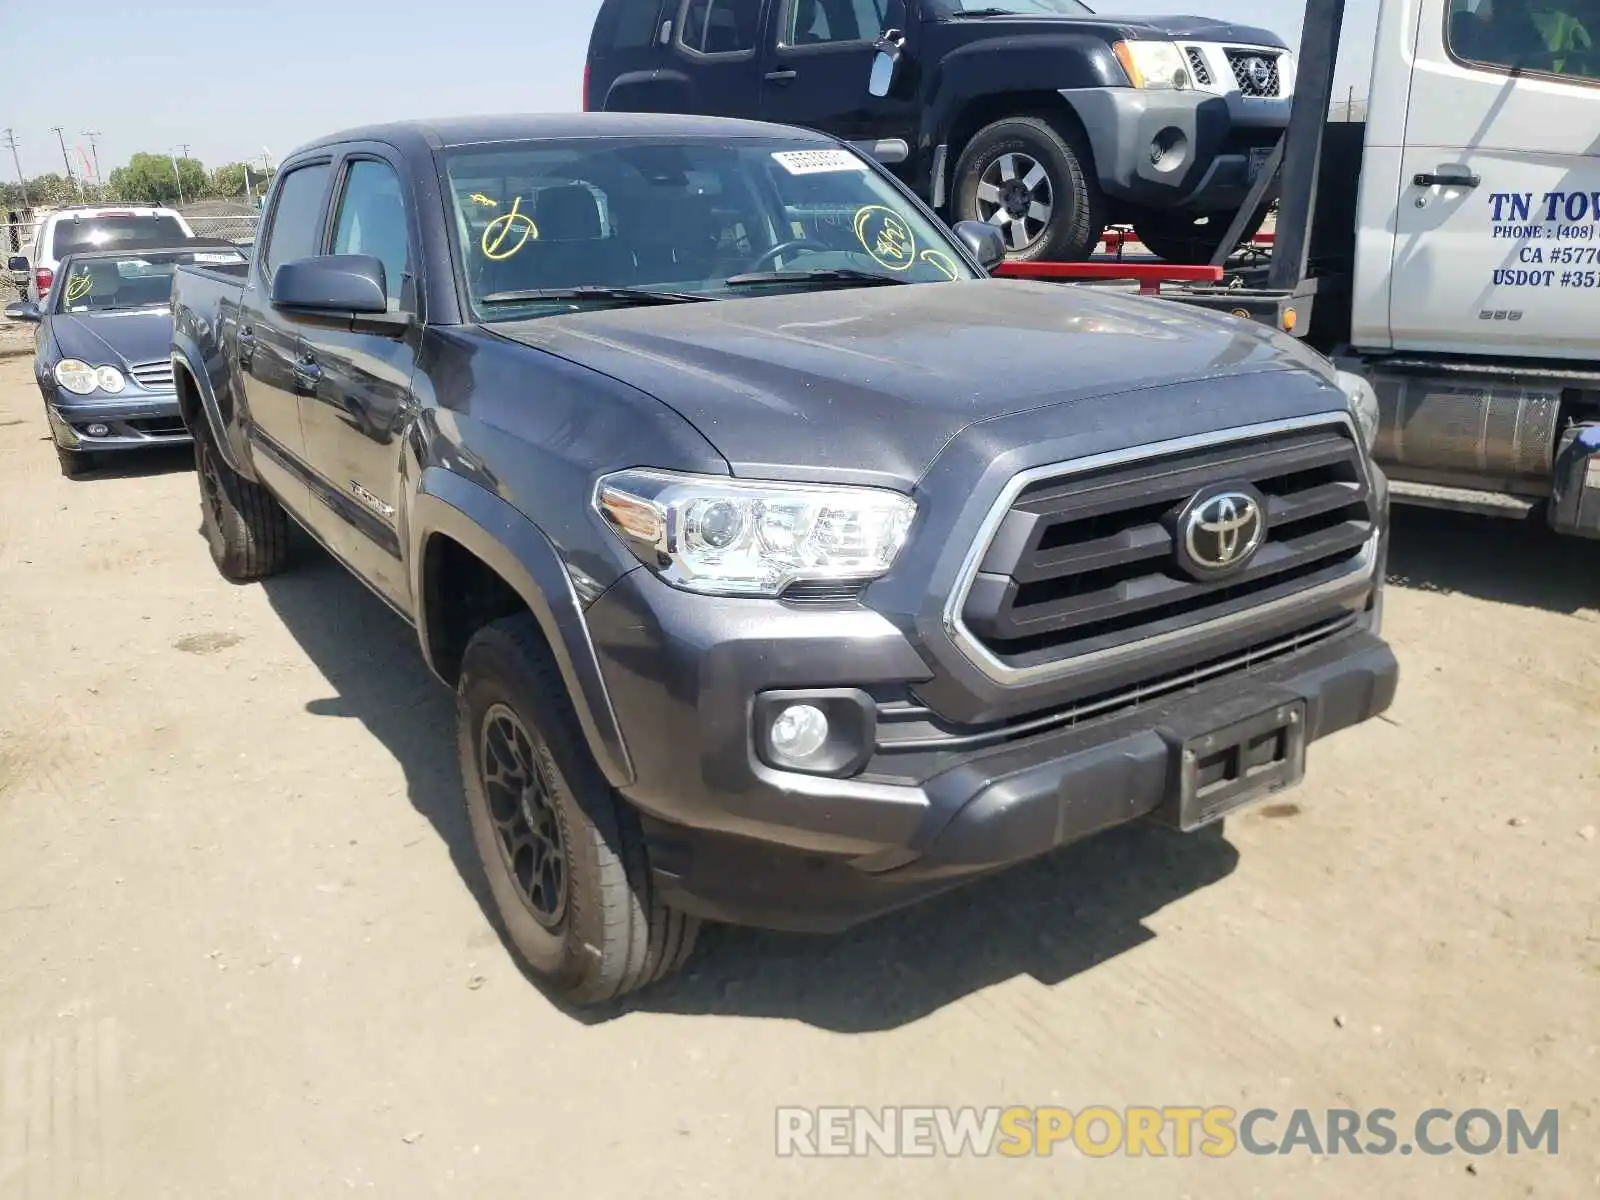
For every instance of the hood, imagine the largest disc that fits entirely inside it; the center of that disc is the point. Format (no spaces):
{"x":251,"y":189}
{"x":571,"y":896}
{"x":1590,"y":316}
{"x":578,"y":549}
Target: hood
{"x":1188,"y":29}
{"x":868,"y":385}
{"x":115,"y":339}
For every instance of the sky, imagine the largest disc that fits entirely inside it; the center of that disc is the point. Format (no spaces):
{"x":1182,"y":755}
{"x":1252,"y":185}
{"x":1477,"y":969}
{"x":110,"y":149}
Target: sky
{"x":233,"y":80}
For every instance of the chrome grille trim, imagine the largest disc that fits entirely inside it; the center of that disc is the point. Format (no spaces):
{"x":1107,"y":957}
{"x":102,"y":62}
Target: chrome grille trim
{"x":1000,"y":672}
{"x":152,"y":374}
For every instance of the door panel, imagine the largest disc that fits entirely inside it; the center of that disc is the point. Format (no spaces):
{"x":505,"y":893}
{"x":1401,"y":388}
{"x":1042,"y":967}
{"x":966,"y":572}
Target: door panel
{"x":818,"y":65}
{"x":715,"y":43}
{"x":1497,"y":246}
{"x":356,"y":403}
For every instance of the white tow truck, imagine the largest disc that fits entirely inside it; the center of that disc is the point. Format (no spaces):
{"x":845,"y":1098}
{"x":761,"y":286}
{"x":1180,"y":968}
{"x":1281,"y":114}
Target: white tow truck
{"x":1448,"y":248}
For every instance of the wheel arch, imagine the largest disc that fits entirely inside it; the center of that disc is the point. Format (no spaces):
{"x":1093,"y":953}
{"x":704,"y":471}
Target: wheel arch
{"x":474,"y":559}
{"x":197,"y":402}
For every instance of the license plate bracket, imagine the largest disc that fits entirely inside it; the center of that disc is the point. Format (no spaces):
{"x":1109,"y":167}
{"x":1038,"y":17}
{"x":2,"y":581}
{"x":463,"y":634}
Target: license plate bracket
{"x":1222,"y":769}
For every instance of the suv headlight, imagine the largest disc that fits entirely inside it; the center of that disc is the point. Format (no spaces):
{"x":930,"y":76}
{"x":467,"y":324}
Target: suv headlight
{"x":728,"y":537}
{"x":1154,"y":66}
{"x":1363,"y":405}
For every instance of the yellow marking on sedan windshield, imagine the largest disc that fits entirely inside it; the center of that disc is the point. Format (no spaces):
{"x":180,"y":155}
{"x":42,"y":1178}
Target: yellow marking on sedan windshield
{"x":480,"y":198}
{"x":884,"y":234}
{"x":941,"y":262}
{"x":498,"y":231}
{"x":78,"y":287}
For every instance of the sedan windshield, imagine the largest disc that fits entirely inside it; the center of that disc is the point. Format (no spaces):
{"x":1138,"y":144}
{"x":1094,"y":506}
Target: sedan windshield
{"x":556,"y":226}
{"x":118,"y":282}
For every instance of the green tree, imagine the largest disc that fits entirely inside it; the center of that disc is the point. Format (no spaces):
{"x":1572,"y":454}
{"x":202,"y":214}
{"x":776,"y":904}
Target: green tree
{"x":227,"y":182}
{"x":152,"y":179}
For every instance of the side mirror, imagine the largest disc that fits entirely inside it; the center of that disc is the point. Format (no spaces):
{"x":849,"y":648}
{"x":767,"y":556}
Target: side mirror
{"x":986,"y":243}
{"x":23,"y":310}
{"x":17,"y":262}
{"x":886,"y":63}
{"x":334,"y":284}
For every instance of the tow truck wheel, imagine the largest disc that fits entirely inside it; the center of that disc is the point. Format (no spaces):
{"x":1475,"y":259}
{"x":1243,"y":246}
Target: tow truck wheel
{"x":1035,"y":183}
{"x":1190,"y":239}
{"x":245,"y":527}
{"x":563,"y":856}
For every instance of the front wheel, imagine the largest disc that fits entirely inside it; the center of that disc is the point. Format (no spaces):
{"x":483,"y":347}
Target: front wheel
{"x":1035,"y":182}
{"x":563,"y":856}
{"x":1191,"y":239}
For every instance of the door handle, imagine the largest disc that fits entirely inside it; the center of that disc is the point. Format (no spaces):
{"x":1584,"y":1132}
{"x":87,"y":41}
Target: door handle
{"x":1460,"y":179}
{"x":247,"y":346}
{"x":307,"y":375}
{"x":783,"y":76}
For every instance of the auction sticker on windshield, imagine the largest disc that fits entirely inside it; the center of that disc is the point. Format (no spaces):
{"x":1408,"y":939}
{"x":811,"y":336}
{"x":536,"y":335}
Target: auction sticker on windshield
{"x":818,"y":162}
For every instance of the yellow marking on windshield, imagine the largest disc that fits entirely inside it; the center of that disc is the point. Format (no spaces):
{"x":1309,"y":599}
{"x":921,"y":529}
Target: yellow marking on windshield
{"x":941,"y":262}
{"x":480,"y":198}
{"x":885,"y":235}
{"x":78,"y":287}
{"x":498,"y":231}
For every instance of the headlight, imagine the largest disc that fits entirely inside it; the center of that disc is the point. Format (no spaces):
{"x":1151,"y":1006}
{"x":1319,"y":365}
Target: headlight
{"x":726,"y":537}
{"x":109,"y":379}
{"x":1153,"y":65}
{"x":1363,"y":405}
{"x":77,"y":377}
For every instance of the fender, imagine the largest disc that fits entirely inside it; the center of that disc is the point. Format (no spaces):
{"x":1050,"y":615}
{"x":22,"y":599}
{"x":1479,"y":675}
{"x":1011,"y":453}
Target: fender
{"x":651,"y":91}
{"x":520,"y":553}
{"x":987,"y":70}
{"x":187,"y":357}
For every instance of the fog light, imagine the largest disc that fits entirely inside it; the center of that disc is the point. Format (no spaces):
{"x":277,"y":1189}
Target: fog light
{"x":97,"y":430}
{"x":799,"y":731}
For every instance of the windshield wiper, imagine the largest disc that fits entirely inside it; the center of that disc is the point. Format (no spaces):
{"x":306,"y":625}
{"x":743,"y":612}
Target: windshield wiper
{"x":986,"y":12}
{"x":592,"y":292}
{"x":827,"y":275}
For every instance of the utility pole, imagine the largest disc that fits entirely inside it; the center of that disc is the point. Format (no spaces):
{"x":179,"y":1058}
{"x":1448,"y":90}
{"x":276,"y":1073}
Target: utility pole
{"x":66,"y":159}
{"x":94,"y":151}
{"x":11,"y":144}
{"x":1350,"y":104}
{"x":176,"y":174}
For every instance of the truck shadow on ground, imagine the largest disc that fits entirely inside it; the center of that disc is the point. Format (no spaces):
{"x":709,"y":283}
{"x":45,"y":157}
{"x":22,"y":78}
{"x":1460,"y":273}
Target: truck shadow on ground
{"x":1513,"y":562}
{"x":1051,"y":919}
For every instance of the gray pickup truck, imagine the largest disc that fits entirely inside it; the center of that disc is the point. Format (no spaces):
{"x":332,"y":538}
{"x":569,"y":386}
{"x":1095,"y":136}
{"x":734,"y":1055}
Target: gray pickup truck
{"x":787,"y":567}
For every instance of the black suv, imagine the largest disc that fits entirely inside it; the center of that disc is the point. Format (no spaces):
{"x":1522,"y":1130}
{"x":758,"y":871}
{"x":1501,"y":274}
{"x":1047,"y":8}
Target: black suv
{"x":1035,"y":115}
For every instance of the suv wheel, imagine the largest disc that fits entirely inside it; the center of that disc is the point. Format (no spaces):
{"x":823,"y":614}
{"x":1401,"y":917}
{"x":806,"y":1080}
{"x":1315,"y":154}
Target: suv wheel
{"x":563,"y":855}
{"x":1190,"y":239}
{"x":1036,"y":184}
{"x":246,"y":528}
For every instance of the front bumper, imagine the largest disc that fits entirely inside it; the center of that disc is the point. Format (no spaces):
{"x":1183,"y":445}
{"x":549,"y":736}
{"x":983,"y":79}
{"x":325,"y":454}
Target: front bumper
{"x":133,"y":420}
{"x":1187,"y":150}
{"x":735,"y":840}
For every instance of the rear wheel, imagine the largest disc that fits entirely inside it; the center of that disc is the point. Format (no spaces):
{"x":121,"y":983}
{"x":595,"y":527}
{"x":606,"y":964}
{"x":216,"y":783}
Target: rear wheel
{"x":246,"y":529}
{"x":1190,"y":239}
{"x":73,"y":462}
{"x":563,"y":855}
{"x":1036,"y":184}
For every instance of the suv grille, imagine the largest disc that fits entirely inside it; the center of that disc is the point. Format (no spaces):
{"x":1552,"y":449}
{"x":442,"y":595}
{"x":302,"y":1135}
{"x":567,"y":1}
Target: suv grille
{"x":1197,"y":64}
{"x":1086,"y":561}
{"x":1255,"y":71}
{"x":153,"y":375}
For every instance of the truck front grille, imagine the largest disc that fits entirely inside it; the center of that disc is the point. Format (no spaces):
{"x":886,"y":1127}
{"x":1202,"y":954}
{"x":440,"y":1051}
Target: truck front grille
{"x":1256,"y":72}
{"x":1085,"y":562}
{"x":1197,"y":64}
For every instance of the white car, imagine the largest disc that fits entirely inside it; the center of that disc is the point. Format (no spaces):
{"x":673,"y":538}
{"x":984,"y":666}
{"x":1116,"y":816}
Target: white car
{"x":97,"y":227}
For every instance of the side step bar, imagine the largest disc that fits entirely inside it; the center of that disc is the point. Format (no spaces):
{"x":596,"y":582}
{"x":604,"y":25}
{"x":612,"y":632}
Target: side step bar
{"x":1458,"y":499}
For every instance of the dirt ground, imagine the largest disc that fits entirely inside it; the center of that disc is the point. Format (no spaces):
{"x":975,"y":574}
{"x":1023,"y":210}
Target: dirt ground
{"x":238,"y":958}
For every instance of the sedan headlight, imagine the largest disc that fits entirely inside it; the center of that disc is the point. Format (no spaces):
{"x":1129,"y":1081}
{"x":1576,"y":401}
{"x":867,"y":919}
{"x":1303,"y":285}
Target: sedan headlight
{"x":77,"y":377}
{"x":1155,"y":66}
{"x":727,"y":537}
{"x":110,"y":379}
{"x":1363,"y":405}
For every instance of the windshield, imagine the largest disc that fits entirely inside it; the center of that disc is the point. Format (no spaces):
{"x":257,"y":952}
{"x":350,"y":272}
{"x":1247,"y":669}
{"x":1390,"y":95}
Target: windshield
{"x":122,"y":282}
{"x":74,"y":235}
{"x":687,"y":217}
{"x":1025,"y":8}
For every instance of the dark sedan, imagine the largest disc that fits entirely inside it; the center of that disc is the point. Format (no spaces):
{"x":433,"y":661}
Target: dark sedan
{"x":104,"y":361}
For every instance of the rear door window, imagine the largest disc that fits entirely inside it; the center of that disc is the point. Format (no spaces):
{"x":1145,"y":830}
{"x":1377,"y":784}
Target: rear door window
{"x":720,"y":26}
{"x":297,"y":217}
{"x":627,"y":25}
{"x":78,"y":235}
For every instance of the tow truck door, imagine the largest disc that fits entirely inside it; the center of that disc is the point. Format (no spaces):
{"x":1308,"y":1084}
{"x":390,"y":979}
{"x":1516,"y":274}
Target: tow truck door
{"x":1497,"y":229}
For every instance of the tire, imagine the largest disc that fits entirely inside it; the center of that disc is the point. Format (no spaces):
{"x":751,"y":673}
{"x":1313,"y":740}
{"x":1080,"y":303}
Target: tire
{"x":1190,"y":239}
{"x":593,"y":930}
{"x":74,"y":463}
{"x":245,"y":527}
{"x":986,"y":183}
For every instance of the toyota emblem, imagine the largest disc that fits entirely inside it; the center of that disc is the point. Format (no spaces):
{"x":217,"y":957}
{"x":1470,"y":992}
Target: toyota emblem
{"x":1220,"y":530}
{"x":1260,"y":72}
